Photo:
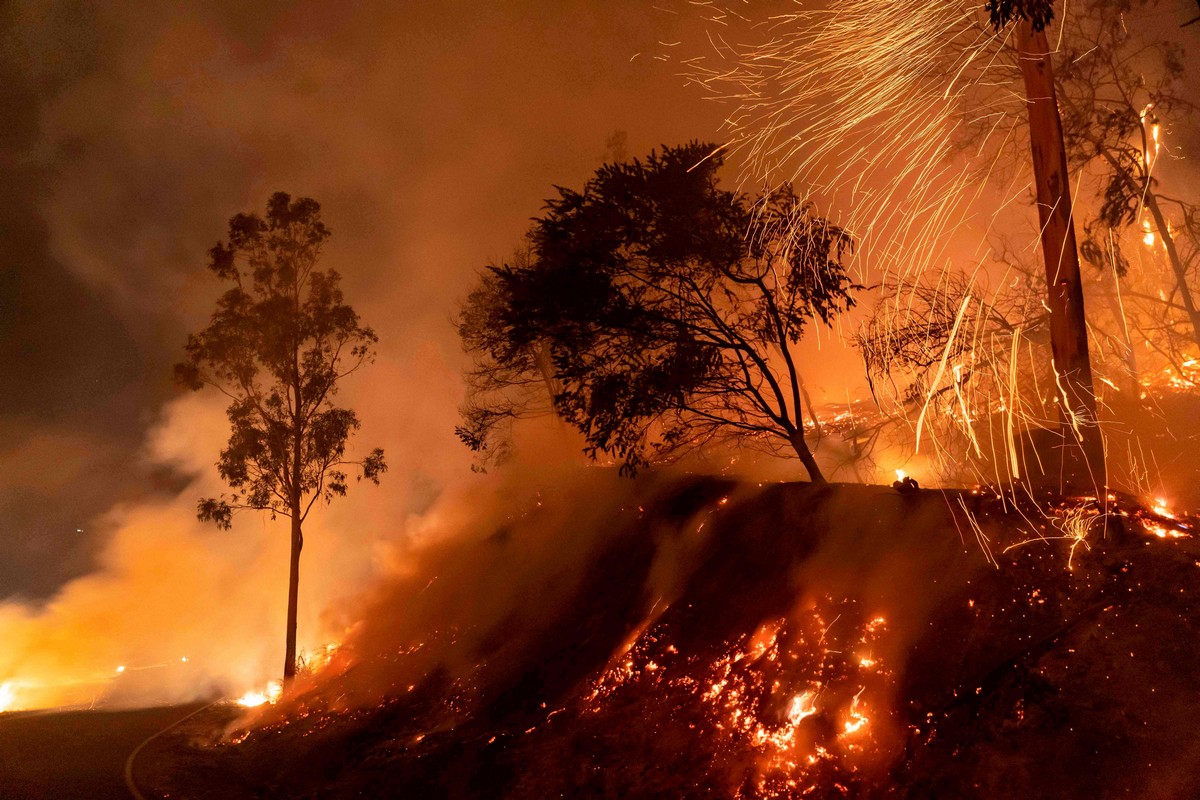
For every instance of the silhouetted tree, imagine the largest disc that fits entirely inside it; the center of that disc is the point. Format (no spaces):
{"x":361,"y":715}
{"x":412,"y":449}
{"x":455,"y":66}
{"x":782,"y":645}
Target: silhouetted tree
{"x":659,"y":310}
{"x":515,"y":381}
{"x":1068,"y":324}
{"x":277,"y":346}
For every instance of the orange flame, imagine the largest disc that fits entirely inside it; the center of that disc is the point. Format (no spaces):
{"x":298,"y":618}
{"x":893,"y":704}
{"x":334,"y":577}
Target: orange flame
{"x":255,"y":698}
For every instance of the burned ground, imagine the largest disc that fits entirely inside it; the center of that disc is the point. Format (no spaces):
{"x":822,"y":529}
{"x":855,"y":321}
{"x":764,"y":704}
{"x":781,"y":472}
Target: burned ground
{"x":806,"y":642}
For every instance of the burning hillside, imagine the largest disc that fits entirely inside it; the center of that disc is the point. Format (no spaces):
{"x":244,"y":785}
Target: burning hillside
{"x":716,"y":639}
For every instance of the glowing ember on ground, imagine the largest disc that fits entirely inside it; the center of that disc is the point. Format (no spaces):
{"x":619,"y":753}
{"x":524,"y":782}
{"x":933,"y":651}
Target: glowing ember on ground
{"x":789,"y":695}
{"x":1163,"y":533}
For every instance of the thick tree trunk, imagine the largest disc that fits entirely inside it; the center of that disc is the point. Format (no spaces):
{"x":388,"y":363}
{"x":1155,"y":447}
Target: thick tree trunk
{"x":796,"y":437}
{"x":1083,"y":452}
{"x":289,"y":657}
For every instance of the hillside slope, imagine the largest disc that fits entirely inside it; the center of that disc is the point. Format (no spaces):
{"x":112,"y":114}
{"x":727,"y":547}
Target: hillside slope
{"x":726,"y":640}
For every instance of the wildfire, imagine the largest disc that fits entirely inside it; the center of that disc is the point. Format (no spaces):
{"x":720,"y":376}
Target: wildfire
{"x":8,"y":696}
{"x":1163,"y":533}
{"x":791,"y":694}
{"x":1165,"y":523}
{"x":1181,"y":377}
{"x":857,"y":719}
{"x":311,"y":662}
{"x":1150,"y":151}
{"x":1160,"y":507}
{"x":268,"y":695}
{"x":803,"y":705}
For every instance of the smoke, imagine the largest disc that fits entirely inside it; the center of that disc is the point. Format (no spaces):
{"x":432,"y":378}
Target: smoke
{"x":628,"y":606}
{"x":429,"y":134}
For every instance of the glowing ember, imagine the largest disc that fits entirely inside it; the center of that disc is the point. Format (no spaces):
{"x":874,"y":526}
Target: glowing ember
{"x":253,"y":699}
{"x":1163,"y":532}
{"x":803,"y":705}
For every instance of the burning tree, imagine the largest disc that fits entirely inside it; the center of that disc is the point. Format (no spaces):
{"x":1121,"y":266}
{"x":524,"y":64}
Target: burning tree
{"x":279,"y":343}
{"x":1118,"y":91}
{"x":1060,"y":253}
{"x":1114,"y":89}
{"x":861,"y":100}
{"x":657,"y":324}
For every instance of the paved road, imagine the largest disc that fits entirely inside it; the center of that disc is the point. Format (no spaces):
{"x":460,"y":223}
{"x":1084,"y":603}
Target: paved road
{"x":74,"y":755}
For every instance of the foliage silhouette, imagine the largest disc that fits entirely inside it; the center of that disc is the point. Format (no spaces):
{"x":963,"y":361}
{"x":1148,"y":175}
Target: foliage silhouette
{"x":280,"y":341}
{"x":659,"y":311}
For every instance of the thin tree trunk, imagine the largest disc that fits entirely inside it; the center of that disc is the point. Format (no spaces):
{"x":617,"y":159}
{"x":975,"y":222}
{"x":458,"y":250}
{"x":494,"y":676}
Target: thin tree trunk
{"x":1185,"y":294}
{"x":796,"y":437}
{"x":1083,"y":455}
{"x":812,"y":410}
{"x":289,"y":657}
{"x":295,"y":496}
{"x":546,"y":368}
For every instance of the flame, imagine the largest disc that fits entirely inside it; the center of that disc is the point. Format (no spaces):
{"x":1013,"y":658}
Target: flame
{"x":255,"y":698}
{"x":1149,"y":157}
{"x":313,"y":661}
{"x":760,"y":691}
{"x":901,"y":474}
{"x":857,"y":719}
{"x":8,"y":697}
{"x":1163,"y":532}
{"x":802,"y":705}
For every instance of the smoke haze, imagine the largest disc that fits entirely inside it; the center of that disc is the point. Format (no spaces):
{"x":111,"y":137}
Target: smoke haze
{"x":430,"y":133}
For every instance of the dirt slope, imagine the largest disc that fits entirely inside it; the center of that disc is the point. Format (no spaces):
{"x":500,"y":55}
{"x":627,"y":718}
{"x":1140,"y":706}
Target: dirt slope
{"x":724,"y":640}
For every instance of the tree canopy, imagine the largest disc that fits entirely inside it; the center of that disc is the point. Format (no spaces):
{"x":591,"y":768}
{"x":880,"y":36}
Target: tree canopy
{"x":1039,"y":13}
{"x":659,"y":311}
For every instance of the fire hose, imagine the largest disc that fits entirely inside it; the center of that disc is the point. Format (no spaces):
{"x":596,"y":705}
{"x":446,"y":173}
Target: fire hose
{"x":130,"y":784}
